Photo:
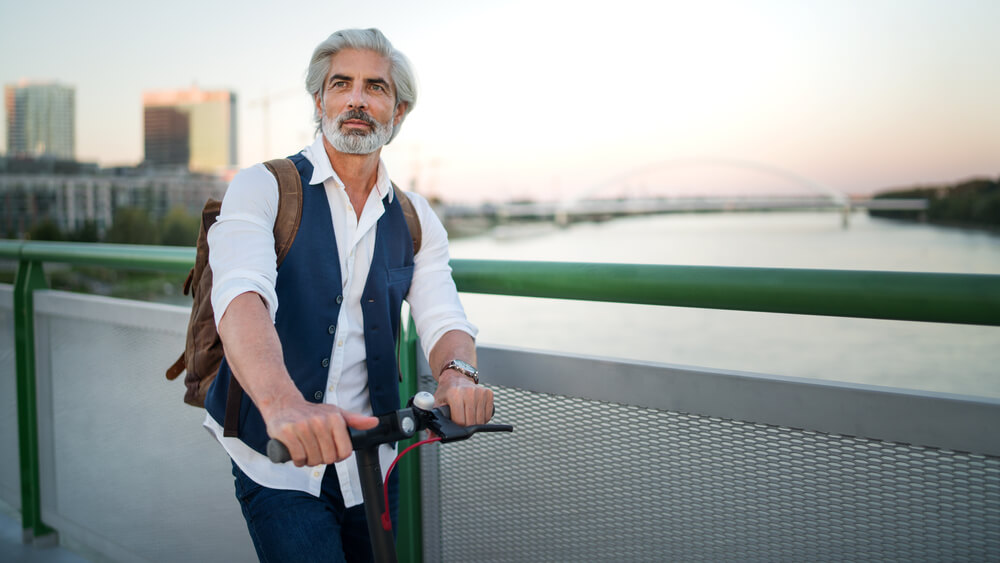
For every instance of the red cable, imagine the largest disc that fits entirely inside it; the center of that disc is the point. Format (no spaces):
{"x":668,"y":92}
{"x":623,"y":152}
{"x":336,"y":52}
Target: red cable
{"x":386,"y":521}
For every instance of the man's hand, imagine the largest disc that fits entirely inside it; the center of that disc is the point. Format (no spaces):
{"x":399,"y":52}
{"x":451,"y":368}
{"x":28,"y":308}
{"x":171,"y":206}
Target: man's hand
{"x":314,"y":433}
{"x":470,"y":403}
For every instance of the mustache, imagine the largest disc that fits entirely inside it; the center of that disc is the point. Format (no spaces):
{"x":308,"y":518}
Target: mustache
{"x":356,"y":114}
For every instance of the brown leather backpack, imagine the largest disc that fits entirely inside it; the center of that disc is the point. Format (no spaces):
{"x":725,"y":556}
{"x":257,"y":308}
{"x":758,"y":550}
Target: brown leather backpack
{"x":203,"y":350}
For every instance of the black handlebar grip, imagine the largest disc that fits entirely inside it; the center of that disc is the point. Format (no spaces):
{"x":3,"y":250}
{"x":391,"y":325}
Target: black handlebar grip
{"x":277,"y":452}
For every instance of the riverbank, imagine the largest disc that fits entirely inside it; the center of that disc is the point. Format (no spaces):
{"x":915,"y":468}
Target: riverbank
{"x":971,"y":204}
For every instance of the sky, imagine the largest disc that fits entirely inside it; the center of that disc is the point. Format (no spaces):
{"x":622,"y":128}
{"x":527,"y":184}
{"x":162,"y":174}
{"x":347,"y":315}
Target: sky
{"x":556,"y":100}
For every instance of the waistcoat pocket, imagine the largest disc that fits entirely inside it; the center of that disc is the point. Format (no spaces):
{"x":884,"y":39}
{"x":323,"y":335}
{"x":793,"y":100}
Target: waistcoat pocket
{"x":400,"y":275}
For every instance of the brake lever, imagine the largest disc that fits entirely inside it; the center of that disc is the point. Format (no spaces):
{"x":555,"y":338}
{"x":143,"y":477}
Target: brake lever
{"x":438,"y":420}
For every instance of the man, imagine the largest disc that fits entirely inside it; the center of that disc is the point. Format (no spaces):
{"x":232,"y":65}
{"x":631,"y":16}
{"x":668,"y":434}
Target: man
{"x":312,"y":343}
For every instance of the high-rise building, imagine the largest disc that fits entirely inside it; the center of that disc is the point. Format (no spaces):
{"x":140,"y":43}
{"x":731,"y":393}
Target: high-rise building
{"x":40,"y":120}
{"x":190,"y":127}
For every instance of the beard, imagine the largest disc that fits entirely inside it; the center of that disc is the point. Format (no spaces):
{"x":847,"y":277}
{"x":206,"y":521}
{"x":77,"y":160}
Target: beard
{"x":355,"y":141}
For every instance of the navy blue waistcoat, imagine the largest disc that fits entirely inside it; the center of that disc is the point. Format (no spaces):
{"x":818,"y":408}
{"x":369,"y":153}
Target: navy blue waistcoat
{"x":310,"y":293}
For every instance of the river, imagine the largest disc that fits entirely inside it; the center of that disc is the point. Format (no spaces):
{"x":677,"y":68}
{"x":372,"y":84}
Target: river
{"x":926,"y":356}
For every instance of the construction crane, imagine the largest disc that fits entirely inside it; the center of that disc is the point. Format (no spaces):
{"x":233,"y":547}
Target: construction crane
{"x":264,"y":102}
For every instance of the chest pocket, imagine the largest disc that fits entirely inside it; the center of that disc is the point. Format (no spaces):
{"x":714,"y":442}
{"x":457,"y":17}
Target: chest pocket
{"x":399,"y":284}
{"x":401,"y":275}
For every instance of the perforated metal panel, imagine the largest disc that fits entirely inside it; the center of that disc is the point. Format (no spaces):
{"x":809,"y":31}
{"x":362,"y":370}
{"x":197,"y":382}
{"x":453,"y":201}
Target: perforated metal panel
{"x":584,"y":480}
{"x":127,"y":471}
{"x":10,"y":469}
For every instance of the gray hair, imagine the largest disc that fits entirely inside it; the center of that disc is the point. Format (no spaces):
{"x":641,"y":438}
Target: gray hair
{"x":400,"y":71}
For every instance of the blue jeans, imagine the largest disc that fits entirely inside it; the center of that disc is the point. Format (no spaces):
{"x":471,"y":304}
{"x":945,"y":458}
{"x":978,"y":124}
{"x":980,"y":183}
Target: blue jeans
{"x":293,"y":526}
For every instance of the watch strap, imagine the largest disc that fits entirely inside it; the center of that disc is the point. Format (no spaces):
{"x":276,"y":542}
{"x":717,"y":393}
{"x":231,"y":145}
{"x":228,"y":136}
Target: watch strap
{"x":464,"y":368}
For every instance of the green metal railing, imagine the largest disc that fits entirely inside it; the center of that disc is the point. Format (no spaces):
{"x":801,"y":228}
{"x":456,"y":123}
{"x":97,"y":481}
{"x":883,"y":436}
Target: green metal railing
{"x":909,"y":296}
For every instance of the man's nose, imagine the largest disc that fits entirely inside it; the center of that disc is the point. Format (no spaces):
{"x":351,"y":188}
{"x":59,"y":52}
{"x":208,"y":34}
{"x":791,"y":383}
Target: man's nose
{"x":358,"y":100}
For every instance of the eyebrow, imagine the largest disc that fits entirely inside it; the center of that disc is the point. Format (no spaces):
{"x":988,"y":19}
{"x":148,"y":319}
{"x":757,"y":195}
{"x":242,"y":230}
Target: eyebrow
{"x":381,"y":81}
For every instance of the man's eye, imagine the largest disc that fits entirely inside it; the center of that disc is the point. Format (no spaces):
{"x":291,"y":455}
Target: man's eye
{"x":378,"y":87}
{"x":338,"y":84}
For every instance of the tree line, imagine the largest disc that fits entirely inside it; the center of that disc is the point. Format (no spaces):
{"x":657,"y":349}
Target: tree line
{"x":972,"y":203}
{"x":129,"y":225}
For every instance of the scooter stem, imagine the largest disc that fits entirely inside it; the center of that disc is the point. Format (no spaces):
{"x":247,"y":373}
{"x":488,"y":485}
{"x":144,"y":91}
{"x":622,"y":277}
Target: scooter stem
{"x":370,"y":472}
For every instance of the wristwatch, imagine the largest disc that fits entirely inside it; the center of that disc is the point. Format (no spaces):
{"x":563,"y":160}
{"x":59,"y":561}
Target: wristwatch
{"x":465,"y":368}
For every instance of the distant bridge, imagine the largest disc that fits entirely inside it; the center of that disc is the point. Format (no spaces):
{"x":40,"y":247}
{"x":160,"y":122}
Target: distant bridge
{"x":620,"y":183}
{"x":605,"y":209}
{"x":588,"y":206}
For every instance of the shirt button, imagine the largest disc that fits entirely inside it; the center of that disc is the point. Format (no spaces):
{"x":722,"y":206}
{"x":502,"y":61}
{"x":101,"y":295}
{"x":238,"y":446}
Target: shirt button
{"x":326,"y":362}
{"x":340,"y":344}
{"x":340,"y":299}
{"x":331,"y":329}
{"x":318,"y":395}
{"x":315,"y":473}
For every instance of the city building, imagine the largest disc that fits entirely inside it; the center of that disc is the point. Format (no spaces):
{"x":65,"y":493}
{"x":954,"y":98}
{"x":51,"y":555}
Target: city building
{"x":71,"y":194}
{"x":192,"y":128}
{"x":40,"y":120}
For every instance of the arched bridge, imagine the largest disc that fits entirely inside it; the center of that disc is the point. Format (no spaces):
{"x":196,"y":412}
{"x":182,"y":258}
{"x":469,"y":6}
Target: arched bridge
{"x":662,"y":188}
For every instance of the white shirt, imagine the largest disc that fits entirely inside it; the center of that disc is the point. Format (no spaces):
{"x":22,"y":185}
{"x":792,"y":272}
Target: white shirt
{"x":242,"y":259}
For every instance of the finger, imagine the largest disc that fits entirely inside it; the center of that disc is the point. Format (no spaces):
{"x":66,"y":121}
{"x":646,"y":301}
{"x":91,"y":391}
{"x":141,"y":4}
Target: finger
{"x":440,"y":397}
{"x":296,"y":451}
{"x":341,"y":437}
{"x":470,"y":407}
{"x":479,"y":401}
{"x":313,"y":455}
{"x":456,"y":403}
{"x":324,"y":439}
{"x":483,"y":406}
{"x":359,"y":421}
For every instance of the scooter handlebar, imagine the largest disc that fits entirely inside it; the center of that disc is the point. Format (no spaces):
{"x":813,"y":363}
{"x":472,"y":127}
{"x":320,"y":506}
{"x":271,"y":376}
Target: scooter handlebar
{"x":400,"y":425}
{"x":277,"y":452}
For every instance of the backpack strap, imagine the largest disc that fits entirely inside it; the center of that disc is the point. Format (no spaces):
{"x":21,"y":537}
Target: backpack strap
{"x":286,"y":226}
{"x":410,"y":214}
{"x":179,"y":366}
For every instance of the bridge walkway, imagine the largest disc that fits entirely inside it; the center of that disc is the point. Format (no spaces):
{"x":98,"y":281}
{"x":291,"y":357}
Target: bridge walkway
{"x":13,"y":550}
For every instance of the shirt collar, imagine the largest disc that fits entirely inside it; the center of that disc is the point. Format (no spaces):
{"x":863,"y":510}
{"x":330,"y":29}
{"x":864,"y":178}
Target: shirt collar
{"x":323,"y":170}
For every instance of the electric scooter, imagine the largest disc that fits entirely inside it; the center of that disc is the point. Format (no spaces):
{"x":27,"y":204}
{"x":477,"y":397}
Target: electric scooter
{"x":418,"y":415}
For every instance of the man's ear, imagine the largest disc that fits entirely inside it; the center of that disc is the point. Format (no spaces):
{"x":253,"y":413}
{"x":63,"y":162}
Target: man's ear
{"x":319,"y":104}
{"x":399,"y":113}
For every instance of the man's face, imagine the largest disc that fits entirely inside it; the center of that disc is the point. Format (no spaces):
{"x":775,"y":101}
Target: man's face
{"x":358,"y":102}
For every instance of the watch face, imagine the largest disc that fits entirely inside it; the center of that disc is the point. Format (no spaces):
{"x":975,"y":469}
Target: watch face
{"x":464,"y":366}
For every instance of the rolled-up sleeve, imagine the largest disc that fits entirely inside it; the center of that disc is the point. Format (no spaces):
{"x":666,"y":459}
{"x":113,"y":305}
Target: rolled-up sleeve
{"x":433,"y":297}
{"x":241,"y":242}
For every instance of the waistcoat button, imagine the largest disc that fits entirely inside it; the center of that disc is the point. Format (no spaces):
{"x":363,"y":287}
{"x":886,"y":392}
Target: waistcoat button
{"x":331,"y":329}
{"x":326,"y":362}
{"x":340,"y":299}
{"x":318,"y":395}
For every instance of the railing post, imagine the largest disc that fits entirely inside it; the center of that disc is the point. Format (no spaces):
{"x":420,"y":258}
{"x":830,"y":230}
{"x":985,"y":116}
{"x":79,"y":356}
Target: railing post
{"x":409,"y":540}
{"x":29,"y":278}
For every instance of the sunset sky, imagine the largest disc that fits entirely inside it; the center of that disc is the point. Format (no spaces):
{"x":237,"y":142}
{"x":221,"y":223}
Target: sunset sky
{"x":554,"y":99}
